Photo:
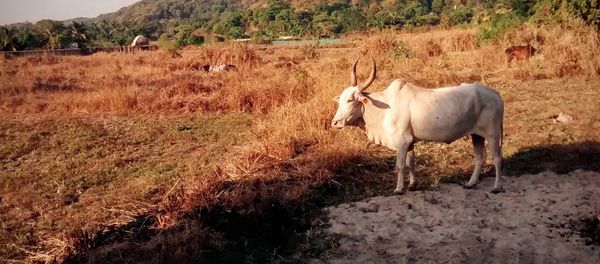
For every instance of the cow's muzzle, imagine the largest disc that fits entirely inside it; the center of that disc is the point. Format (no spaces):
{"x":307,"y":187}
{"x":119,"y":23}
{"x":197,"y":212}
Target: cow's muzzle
{"x":337,"y":123}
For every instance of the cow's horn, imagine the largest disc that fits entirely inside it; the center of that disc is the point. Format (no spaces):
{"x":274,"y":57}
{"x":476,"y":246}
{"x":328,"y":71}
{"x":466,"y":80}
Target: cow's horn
{"x":353,"y":76}
{"x":369,"y":81}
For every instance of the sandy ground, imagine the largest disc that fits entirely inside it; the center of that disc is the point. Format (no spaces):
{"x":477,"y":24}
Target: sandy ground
{"x":535,"y":221}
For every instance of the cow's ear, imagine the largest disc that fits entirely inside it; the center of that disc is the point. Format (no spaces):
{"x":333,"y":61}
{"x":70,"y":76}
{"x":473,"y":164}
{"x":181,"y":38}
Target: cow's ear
{"x":363,"y":99}
{"x":336,"y":98}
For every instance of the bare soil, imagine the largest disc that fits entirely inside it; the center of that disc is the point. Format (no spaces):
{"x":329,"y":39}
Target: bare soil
{"x":541,"y":218}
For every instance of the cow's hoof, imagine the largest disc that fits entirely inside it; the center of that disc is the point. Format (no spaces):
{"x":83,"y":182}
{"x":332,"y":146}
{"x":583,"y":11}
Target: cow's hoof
{"x":466,"y":185}
{"x":412,"y":187}
{"x":497,"y":190}
{"x":399,"y":191}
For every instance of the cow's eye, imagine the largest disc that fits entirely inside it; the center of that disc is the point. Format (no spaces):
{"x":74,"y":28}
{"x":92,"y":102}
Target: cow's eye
{"x":350,"y":101}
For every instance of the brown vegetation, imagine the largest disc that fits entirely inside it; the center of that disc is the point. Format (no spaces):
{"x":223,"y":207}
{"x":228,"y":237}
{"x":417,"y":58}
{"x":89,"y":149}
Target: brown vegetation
{"x":93,"y":142}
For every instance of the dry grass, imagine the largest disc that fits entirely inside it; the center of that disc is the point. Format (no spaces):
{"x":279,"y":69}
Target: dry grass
{"x":93,"y":142}
{"x":146,"y":83}
{"x":569,"y":50}
{"x":64,"y":177}
{"x":239,"y":54}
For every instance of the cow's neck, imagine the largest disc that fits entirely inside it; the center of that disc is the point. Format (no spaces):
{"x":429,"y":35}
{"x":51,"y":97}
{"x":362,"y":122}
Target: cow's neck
{"x":373,"y":114}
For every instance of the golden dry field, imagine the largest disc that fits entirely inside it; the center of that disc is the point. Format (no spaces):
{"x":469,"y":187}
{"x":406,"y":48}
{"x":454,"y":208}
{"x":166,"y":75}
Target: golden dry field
{"x":111,"y":156}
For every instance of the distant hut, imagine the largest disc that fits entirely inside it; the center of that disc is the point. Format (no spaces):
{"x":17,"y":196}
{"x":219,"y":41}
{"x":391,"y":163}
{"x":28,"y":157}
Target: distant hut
{"x":140,"y":42}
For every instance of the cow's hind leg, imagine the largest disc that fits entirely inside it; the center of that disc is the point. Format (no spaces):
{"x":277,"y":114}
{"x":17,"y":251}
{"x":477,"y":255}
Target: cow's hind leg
{"x":496,"y":150}
{"x":410,"y":166}
{"x":480,"y":156}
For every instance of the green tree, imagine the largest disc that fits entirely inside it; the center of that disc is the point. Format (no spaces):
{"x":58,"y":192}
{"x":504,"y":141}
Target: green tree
{"x":305,"y":18}
{"x":278,"y":18}
{"x":185,"y":36}
{"x":588,"y":10}
{"x":26,"y":37}
{"x":349,"y":19}
{"x":287,"y":23}
{"x":523,"y":7}
{"x":386,"y":19}
{"x":269,"y":13}
{"x":54,"y":33}
{"x":461,"y":15}
{"x":324,"y":24}
{"x":6,"y":39}
{"x":79,"y":34}
{"x":437,"y":6}
{"x":122,"y":34}
{"x":500,"y":23}
{"x":558,"y":10}
{"x":231,"y":26}
{"x":413,"y":11}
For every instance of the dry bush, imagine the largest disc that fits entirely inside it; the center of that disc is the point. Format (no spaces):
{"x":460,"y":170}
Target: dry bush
{"x":310,"y":52}
{"x":386,"y":45}
{"x":462,"y":42}
{"x":380,"y":44}
{"x":573,"y":53}
{"x":286,"y":62}
{"x":526,"y":34}
{"x":433,"y":48}
{"x":241,"y":55}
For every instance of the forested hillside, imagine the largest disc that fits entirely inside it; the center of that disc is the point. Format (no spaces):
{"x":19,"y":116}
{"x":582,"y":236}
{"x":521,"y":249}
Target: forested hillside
{"x":187,"y":22}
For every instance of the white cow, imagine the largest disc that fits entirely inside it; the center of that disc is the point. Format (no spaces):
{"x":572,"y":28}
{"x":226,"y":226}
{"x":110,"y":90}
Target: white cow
{"x":221,"y":68}
{"x":404,"y":114}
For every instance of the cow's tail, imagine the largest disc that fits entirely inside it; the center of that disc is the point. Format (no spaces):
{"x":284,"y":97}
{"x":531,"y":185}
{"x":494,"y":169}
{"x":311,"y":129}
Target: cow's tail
{"x":501,"y":139}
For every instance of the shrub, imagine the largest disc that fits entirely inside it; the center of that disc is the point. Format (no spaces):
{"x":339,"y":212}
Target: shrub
{"x":400,"y":50}
{"x":501,"y":22}
{"x":460,"y":15}
{"x":169,"y":46}
{"x":186,"y":36}
{"x":310,"y":52}
{"x":585,"y":9}
{"x":429,"y":19}
{"x":237,"y":54}
{"x":380,"y":44}
{"x":463,"y":42}
{"x":561,"y":11}
{"x":231,"y":26}
{"x":433,"y":48}
{"x":262,"y":39}
{"x":386,"y":44}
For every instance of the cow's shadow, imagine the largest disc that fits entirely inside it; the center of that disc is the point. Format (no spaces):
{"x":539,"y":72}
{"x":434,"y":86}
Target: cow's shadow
{"x":289,"y":231}
{"x":560,"y":158}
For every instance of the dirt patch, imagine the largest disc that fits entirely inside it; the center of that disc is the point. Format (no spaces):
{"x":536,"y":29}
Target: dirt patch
{"x":541,"y":218}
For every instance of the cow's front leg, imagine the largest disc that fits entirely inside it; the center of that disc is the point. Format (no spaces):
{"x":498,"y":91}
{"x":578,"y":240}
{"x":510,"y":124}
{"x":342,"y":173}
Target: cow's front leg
{"x":401,"y":154}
